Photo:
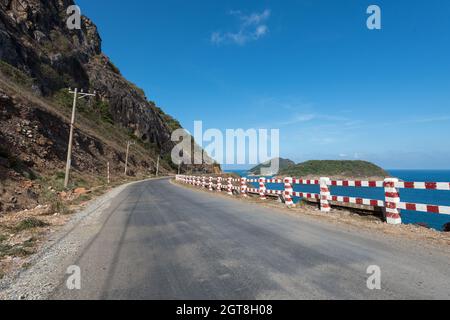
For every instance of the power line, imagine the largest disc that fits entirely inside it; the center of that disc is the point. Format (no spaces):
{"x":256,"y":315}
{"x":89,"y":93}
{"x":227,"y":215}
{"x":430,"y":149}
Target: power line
{"x":76,"y":96}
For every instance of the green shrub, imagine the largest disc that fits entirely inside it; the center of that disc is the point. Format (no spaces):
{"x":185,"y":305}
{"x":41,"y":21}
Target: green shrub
{"x":60,"y":175}
{"x":103,"y":110}
{"x":63,"y":98}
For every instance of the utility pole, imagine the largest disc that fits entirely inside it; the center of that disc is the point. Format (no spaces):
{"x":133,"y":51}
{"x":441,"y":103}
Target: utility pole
{"x":129,"y":143}
{"x":157,"y":165}
{"x":108,"y":177}
{"x":72,"y":123}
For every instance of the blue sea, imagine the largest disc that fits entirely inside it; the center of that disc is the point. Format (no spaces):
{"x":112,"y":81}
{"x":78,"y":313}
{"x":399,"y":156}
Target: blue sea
{"x":433,"y":197}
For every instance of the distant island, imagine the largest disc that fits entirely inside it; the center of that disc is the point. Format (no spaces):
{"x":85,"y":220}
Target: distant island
{"x":326,"y":168}
{"x":283,"y":164}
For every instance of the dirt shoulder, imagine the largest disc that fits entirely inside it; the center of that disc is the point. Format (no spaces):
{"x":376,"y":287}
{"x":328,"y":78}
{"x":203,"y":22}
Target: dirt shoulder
{"x":347,"y":219}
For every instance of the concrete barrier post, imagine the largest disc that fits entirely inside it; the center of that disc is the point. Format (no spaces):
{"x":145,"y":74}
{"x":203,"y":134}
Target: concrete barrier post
{"x":325,"y":195}
{"x":244,"y":187}
{"x":262,"y":188}
{"x":210,"y":184}
{"x":230,"y":186}
{"x":288,"y":191}
{"x":219,"y":184}
{"x":392,"y":200}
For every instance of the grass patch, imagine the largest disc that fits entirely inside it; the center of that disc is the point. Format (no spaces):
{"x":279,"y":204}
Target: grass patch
{"x":30,"y":223}
{"x":56,"y":181}
{"x":82,"y":198}
{"x":15,"y":74}
{"x":60,"y":175}
{"x":15,"y":251}
{"x":55,"y":203}
{"x":4,"y":250}
{"x":58,"y":206}
{"x":3,"y":238}
{"x":18,"y":251}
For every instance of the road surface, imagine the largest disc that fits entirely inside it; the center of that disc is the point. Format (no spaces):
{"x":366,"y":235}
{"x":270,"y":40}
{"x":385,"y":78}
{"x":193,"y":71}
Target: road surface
{"x":164,"y":241}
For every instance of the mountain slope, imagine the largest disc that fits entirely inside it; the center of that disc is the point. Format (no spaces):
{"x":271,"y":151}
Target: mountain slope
{"x":39,"y":59}
{"x":34,"y":38}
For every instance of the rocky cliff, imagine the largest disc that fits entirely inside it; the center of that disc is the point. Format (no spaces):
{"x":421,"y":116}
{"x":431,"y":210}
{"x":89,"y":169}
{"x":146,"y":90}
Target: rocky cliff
{"x":35,"y":39}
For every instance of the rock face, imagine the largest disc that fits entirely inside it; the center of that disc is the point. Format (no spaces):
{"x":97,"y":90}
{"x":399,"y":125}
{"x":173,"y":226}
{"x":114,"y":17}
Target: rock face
{"x":282,"y":164}
{"x":35,"y":39}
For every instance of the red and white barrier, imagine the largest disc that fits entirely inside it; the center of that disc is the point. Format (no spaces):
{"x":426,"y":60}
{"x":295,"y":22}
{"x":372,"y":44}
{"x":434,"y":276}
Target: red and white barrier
{"x":219,"y":184}
{"x":392,"y":202}
{"x":324,"y":195}
{"x":307,"y":182}
{"x":357,"y":184}
{"x":424,"y":185}
{"x":204,"y":182}
{"x":288,"y":192}
{"x":360,"y":201}
{"x":230,"y":186}
{"x":424,"y":208}
{"x":262,"y":188}
{"x":211,"y":184}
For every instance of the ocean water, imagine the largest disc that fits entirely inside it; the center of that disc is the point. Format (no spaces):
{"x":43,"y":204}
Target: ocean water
{"x":433,"y":197}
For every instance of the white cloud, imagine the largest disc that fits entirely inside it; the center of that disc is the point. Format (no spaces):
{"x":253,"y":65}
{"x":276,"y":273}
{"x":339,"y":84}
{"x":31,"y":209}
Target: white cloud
{"x":307,"y":117}
{"x":254,"y":18}
{"x":251,"y":28}
{"x":261,"y":31}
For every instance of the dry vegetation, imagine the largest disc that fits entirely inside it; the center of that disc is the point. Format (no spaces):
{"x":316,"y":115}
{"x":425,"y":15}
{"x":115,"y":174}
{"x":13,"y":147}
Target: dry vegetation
{"x":22,"y":233}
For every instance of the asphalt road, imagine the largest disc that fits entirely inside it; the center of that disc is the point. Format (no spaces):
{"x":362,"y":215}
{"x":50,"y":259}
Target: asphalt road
{"x":162,"y":241}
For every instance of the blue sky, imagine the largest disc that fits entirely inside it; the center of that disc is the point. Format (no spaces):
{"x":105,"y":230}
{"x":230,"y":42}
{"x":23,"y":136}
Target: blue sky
{"x":334,"y":88}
